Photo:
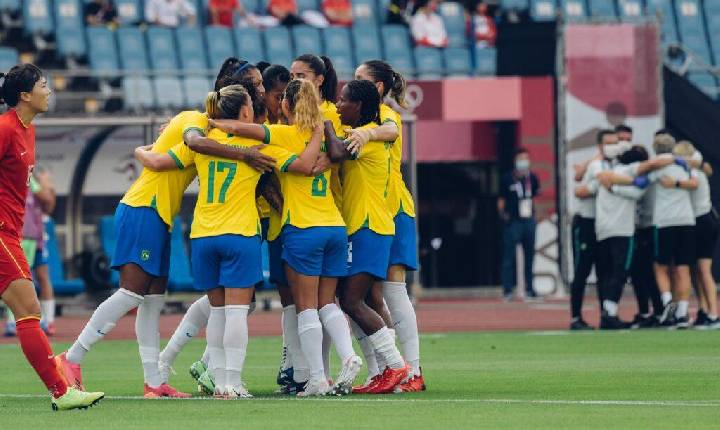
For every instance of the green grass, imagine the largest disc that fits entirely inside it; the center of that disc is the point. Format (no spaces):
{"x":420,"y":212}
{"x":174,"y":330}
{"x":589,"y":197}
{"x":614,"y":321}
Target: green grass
{"x":634,"y":380}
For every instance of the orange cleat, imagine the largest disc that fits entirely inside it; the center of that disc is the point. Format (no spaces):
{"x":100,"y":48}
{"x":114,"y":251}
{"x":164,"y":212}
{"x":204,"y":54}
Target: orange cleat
{"x":413,"y":385}
{"x":364,"y":389}
{"x":164,"y":390}
{"x":390,"y":379}
{"x":70,"y":371}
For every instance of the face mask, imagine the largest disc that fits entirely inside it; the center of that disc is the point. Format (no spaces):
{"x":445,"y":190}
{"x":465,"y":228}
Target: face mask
{"x":611,"y":152}
{"x":522,"y":165}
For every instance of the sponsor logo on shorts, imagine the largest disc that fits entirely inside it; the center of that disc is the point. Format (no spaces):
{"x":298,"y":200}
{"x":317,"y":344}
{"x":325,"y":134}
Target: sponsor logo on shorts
{"x":144,"y":255}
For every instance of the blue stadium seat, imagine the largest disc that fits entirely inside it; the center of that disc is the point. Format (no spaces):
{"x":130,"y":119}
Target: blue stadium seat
{"x":630,"y":10}
{"x":573,"y":9}
{"x":161,"y":48}
{"x":338,"y":48}
{"x":543,"y":10}
{"x":514,"y":4}
{"x":249,"y":44}
{"x":191,"y":49}
{"x":196,"y":89}
{"x":131,"y":45}
{"x":712,"y":15}
{"x":102,"y":51}
{"x":138,"y":93}
{"x":667,"y":19}
{"x":691,"y":27}
{"x":277,"y":44}
{"x":396,"y":40}
{"x":61,"y":286}
{"x":12,"y":6}
{"x":304,"y":5}
{"x":306,"y":40}
{"x":253,"y":6}
{"x":365,"y":12}
{"x":697,"y":44}
{"x":129,"y":11}
{"x":602,"y":8}
{"x":429,"y":62}
{"x":37,"y":17}
{"x":68,"y":25}
{"x":367,"y":44}
{"x":220,"y":45}
{"x":168,"y":93}
{"x":457,"y":61}
{"x":454,"y":17}
{"x":705,"y":82}
{"x":485,"y":61}
{"x":108,"y":239}
{"x":180,"y":278}
{"x":8,"y":58}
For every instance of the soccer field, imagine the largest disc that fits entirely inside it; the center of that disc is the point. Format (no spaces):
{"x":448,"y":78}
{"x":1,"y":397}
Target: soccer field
{"x":633,"y":380}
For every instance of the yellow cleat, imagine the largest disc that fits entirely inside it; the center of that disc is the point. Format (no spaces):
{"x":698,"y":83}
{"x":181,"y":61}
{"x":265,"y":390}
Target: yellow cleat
{"x":76,"y":399}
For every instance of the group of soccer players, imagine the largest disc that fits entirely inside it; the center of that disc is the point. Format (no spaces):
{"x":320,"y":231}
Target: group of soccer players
{"x":648,"y":219}
{"x":279,"y":156}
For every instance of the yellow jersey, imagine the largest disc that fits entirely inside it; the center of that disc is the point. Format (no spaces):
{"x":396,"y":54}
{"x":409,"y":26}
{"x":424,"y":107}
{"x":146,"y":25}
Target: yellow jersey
{"x":399,"y":197}
{"x":164,"y":190}
{"x":365,"y":189}
{"x":307,"y":200}
{"x":329,"y":113}
{"x":226,"y":201}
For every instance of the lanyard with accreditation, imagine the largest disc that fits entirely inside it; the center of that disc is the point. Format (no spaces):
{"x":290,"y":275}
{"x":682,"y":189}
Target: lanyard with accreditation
{"x":523,"y":188}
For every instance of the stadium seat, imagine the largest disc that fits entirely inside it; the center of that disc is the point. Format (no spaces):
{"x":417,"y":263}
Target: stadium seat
{"x":485,"y":61}
{"x":277,"y":44}
{"x":454,"y":17}
{"x":191,"y":49}
{"x":168,"y":93}
{"x":630,"y":10}
{"x":253,"y":6}
{"x":429,"y":62}
{"x":196,"y":89}
{"x":161,"y":48}
{"x":8,"y":58}
{"x":68,"y":24}
{"x":691,"y":28}
{"x":457,"y":61}
{"x":705,"y":82}
{"x":306,"y":40}
{"x":543,"y":10}
{"x":220,"y":45}
{"x":61,"y":286}
{"x":180,"y":278}
{"x":396,"y":40}
{"x":573,"y":9}
{"x":37,"y":17}
{"x":138,"y":93}
{"x":367,"y":44}
{"x":108,"y":239}
{"x":129,"y":11}
{"x":365,"y":12}
{"x":102,"y":51}
{"x":514,"y":4}
{"x":602,"y":8}
{"x":304,"y":5}
{"x":712,"y":16}
{"x":339,"y":48}
{"x":131,"y":45}
{"x":664,"y":8}
{"x":249,"y":44}
{"x":12,"y":6}
{"x":697,"y":44}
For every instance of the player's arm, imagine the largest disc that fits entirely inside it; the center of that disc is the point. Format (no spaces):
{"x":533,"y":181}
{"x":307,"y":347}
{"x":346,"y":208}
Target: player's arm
{"x":628,"y":191}
{"x":305,"y":162}
{"x":654,"y":164}
{"x":685,"y":184}
{"x":196,"y":141}
{"x":269,"y":188}
{"x":336,"y":147}
{"x":46,"y":196}
{"x":707,"y":168}
{"x":157,"y":161}
{"x":358,"y":137}
{"x":322,"y":164}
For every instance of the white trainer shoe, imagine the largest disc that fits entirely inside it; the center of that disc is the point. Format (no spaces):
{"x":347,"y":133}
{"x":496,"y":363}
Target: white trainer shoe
{"x":348,"y":373}
{"x":237,"y":392}
{"x":315,"y":387}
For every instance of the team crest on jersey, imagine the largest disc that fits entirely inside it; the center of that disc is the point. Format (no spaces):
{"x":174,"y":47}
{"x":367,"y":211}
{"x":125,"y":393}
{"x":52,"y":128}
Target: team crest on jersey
{"x":144,"y":255}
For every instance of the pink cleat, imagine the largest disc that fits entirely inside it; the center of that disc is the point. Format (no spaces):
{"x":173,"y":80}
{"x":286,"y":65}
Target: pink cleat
{"x":164,"y":390}
{"x":70,"y":371}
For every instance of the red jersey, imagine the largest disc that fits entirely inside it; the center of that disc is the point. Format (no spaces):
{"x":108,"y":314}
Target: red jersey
{"x":225,"y":9}
{"x":17,"y":159}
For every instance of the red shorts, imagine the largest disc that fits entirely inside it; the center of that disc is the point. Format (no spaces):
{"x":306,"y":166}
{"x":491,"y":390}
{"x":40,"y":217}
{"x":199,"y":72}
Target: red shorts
{"x":13,"y":264}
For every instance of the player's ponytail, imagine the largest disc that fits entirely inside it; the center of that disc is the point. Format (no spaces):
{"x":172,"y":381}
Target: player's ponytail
{"x":394,"y":83}
{"x":232,"y":71}
{"x":399,"y":86}
{"x":227,"y":102}
{"x":322,"y":66}
{"x":304,"y":103}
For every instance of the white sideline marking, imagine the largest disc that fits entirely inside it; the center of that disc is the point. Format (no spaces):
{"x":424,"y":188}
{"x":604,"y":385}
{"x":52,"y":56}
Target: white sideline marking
{"x":354,"y":399}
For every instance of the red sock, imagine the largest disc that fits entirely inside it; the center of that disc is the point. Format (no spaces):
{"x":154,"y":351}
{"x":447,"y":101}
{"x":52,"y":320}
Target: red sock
{"x":37,"y":350}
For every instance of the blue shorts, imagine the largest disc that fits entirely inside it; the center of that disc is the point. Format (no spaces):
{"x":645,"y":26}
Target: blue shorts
{"x":404,"y":246}
{"x":316,"y":251}
{"x":41,"y":258}
{"x":142,"y":238}
{"x":369,"y":252}
{"x":228,"y":260}
{"x":277,"y":270}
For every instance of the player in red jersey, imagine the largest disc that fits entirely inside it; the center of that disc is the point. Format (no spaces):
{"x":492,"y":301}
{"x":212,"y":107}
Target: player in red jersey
{"x":26,"y":92}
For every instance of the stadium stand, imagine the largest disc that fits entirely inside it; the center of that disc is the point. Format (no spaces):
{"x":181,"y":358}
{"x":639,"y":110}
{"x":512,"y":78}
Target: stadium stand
{"x":664,"y":9}
{"x":543,"y":10}
{"x":102,"y":52}
{"x":221,"y":46}
{"x":364,"y":13}
{"x":168,"y":93}
{"x":161,"y":48}
{"x":196,"y":89}
{"x":457,"y":61}
{"x":454,"y":17}
{"x":108,"y":238}
{"x":397,"y":46}
{"x":131,"y":45}
{"x":61,"y":286}
{"x":573,"y":10}
{"x":8,"y":58}
{"x":337,"y":46}
{"x":249,"y":43}
{"x":37,"y":17}
{"x":68,"y":22}
{"x":485,"y":61}
{"x":367,"y":44}
{"x":180,"y":276}
{"x":306,"y":39}
{"x":130,"y":12}
{"x":191,"y":49}
{"x":602,"y":9}
{"x":138,"y":92}
{"x":429,"y":62}
{"x":277,"y":41}
{"x":630,"y":10}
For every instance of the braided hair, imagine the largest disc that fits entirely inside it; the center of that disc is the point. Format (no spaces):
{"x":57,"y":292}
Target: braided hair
{"x":231,"y":71}
{"x":366,"y":94}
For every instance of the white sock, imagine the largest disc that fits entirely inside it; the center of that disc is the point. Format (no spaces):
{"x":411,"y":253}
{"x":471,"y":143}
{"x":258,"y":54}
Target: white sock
{"x":194,"y":319}
{"x":214,"y":335}
{"x":404,"y":321}
{"x":206,"y":356}
{"x":147,"y":331}
{"x":285,"y":317}
{"x":682,"y":308}
{"x":383,"y":342}
{"x":610,"y":307}
{"x":47,"y":310}
{"x":335,"y":323}
{"x":310,"y":333}
{"x":102,"y":321}
{"x":235,"y":342}
{"x":666,"y":298}
{"x":301,"y":369}
{"x":366,"y":348}
{"x":326,"y":344}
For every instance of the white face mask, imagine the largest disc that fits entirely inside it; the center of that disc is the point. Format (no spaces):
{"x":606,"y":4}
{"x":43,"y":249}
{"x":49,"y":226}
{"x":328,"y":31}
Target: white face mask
{"x":613,"y":151}
{"x":522,"y":165}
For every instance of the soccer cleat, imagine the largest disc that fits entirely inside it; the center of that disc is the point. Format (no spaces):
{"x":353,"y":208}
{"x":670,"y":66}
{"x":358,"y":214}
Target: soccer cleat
{"x":347,"y":376}
{"x":293,"y":388}
{"x":220,"y":394}
{"x":197,"y":369}
{"x":608,"y":322}
{"x":713,"y":324}
{"x":206,"y":383}
{"x":285,"y":377}
{"x":70,"y":371}
{"x":164,"y":390}
{"x":390,"y":379}
{"x":668,"y":313}
{"x":701,"y":320}
{"x":642,"y":321}
{"x":315,"y":387}
{"x":682,"y":322}
{"x":580,"y":324}
{"x":237,"y":392}
{"x":76,"y":399}
{"x":165,"y":371}
{"x":415,"y":384}
{"x":368,"y":385}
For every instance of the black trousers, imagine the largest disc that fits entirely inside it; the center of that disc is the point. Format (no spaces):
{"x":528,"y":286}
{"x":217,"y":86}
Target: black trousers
{"x":614,"y":256}
{"x":642,"y":273}
{"x":584,"y":250}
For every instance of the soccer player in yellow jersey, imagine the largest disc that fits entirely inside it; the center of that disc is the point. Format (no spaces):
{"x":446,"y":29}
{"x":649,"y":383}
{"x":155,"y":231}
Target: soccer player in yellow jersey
{"x":314,"y":241}
{"x":369,"y":225}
